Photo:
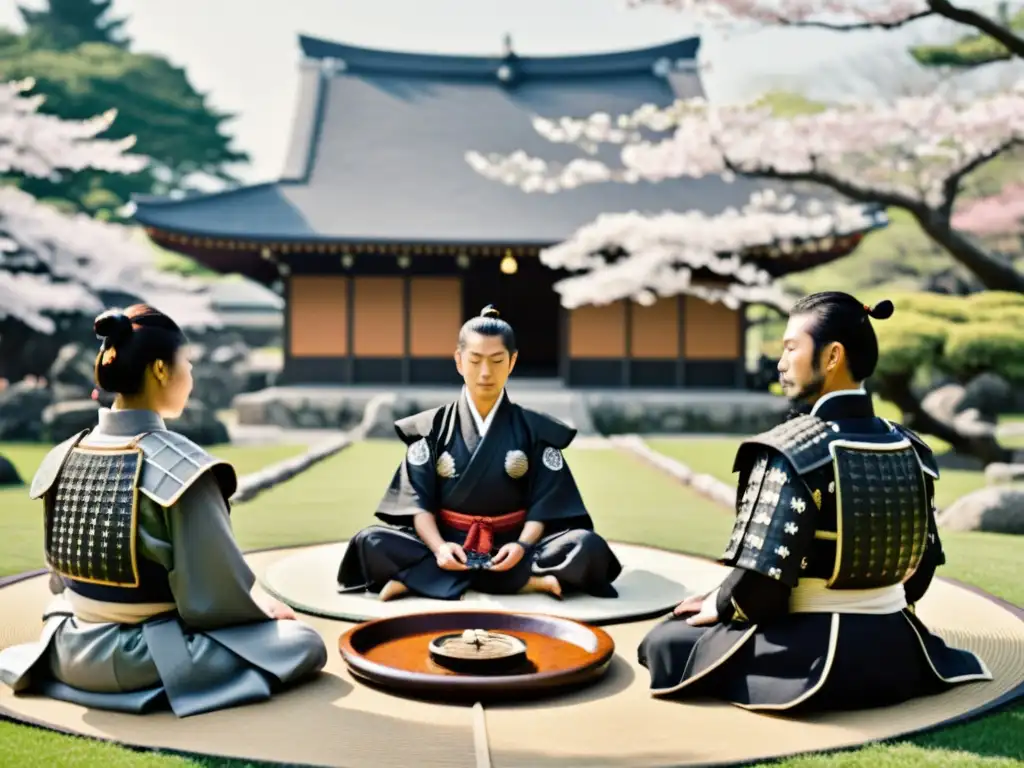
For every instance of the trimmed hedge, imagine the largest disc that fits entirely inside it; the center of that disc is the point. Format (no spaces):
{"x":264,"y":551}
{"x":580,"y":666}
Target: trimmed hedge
{"x":959,"y":335}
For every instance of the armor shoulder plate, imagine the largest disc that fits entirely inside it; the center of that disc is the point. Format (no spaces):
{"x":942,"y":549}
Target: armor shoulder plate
{"x":547,"y":429}
{"x":51,"y":465}
{"x":882,"y":513}
{"x":921,"y":448}
{"x":172,"y":463}
{"x":775,"y":520}
{"x":419,"y":425}
{"x":803,"y":440}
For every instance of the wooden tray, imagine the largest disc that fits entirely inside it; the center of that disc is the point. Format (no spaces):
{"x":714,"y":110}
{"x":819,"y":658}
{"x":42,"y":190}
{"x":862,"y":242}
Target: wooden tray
{"x":394,"y":653}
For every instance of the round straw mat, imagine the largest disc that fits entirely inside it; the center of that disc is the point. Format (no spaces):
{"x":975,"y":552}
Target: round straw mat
{"x":652,"y":582}
{"x":338,"y":721}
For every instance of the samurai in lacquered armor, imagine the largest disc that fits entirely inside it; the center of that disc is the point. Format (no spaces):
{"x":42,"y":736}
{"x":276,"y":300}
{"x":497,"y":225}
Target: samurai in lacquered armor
{"x":483,"y":498}
{"x":154,"y":603}
{"x":834,"y":542}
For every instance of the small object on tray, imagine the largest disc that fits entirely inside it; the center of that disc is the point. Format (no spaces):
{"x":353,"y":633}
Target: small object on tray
{"x":477,"y":651}
{"x":434,"y":655}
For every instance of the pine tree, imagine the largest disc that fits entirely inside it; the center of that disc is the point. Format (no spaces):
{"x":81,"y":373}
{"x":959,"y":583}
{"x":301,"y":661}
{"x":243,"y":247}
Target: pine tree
{"x":66,"y":24}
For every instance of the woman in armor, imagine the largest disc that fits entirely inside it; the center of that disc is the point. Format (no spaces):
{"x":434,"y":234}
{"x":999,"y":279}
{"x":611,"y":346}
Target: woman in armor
{"x":154,"y":604}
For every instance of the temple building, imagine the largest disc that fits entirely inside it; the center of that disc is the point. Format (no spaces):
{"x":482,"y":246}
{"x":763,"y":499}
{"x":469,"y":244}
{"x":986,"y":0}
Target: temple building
{"x":383,"y":239}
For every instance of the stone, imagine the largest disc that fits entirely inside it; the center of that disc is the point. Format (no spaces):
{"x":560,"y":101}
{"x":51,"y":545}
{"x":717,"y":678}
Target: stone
{"x":9,"y":476}
{"x":201,"y":425}
{"x":943,"y":403}
{"x":990,"y":395}
{"x":62,"y":420}
{"x":72,"y":373}
{"x":21,"y":411}
{"x":1003,"y":474}
{"x":994,"y":509}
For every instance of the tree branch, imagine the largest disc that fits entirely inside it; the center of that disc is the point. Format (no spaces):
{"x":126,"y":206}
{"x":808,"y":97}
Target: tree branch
{"x":1013,"y":42}
{"x":951,"y":186}
{"x":846,"y":187}
{"x":855,"y":26}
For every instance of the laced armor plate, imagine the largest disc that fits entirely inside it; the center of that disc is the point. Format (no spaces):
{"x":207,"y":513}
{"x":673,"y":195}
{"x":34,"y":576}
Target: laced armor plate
{"x":882,"y":512}
{"x":92,"y":518}
{"x":775,"y":522}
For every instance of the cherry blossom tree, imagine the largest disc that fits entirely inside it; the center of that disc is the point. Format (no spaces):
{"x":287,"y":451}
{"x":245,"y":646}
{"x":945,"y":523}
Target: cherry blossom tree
{"x":630,"y":255}
{"x":57,"y":269}
{"x":848,"y":15}
{"x":912,"y":153}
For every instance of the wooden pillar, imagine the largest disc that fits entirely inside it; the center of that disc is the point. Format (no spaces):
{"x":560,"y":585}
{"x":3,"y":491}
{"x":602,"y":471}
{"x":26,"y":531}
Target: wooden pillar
{"x":406,"y":324}
{"x":741,"y":365}
{"x":627,"y":329}
{"x":350,"y":303}
{"x":681,"y":379}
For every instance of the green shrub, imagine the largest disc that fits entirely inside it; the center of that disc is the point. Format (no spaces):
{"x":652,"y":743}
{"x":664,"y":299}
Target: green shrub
{"x":960,"y":335}
{"x":908,"y":341}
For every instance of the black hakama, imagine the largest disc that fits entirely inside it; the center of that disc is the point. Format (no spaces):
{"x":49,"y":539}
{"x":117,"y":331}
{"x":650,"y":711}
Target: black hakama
{"x":517,"y":467}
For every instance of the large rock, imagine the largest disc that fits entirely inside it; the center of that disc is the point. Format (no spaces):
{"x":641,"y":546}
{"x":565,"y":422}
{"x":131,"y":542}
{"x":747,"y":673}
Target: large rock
{"x":220,"y":372}
{"x":21,"y":411}
{"x":62,"y":420}
{"x":201,"y":425}
{"x":1003,"y":474}
{"x":72,"y":374}
{"x":990,"y":395}
{"x":737,"y":413}
{"x":943,"y":403}
{"x":996,"y":510}
{"x":9,"y":474}
{"x":303,"y":407}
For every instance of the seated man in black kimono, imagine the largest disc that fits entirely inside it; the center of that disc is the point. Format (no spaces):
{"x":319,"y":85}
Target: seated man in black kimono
{"x":483,"y":499}
{"x":834,"y":542}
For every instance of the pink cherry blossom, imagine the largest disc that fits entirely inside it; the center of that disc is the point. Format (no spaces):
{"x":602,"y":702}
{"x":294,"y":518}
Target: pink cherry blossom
{"x":1001,"y":214}
{"x":35,"y":144}
{"x":844,"y":15}
{"x":907,"y":150}
{"x":668,"y":254}
{"x":54,"y":264}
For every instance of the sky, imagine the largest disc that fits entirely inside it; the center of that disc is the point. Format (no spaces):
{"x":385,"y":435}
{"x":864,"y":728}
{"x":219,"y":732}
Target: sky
{"x":244,"y":53}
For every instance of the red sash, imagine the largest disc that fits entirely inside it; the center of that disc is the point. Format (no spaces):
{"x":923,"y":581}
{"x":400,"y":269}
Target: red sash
{"x":480,"y":530}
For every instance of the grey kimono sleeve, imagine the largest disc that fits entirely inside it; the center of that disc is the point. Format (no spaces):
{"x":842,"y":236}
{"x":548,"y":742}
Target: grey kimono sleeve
{"x":210,"y":579}
{"x":413,"y":487}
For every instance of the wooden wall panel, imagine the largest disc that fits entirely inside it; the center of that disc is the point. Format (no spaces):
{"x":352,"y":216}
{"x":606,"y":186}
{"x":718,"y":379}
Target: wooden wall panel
{"x":598,"y":332}
{"x":654,"y":330}
{"x":435,"y":316}
{"x":378,"y":317}
{"x":711,"y":331}
{"x":318,"y":316}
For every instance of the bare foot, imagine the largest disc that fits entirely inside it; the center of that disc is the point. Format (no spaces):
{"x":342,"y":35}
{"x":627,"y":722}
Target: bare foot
{"x":548,"y":584}
{"x":392,"y":590}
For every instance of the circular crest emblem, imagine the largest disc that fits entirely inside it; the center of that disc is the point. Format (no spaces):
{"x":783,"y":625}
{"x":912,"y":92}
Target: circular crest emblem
{"x":516,"y":464}
{"x":552,"y":459}
{"x":445,"y":465}
{"x":418,"y":453}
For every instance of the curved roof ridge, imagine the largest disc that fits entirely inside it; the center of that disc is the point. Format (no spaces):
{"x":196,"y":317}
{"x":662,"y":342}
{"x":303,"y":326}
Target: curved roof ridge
{"x":623,"y":62}
{"x":232,"y":191}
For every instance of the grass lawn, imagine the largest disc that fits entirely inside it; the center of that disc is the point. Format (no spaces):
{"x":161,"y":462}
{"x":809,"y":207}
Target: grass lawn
{"x":631,"y":502}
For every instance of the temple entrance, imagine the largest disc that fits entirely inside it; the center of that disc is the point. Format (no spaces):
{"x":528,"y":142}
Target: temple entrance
{"x":528,"y":302}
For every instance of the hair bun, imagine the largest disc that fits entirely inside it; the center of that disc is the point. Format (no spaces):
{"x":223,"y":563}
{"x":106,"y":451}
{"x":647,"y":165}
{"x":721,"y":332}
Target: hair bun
{"x":882,"y":310}
{"x":490,"y":311}
{"x":113,"y":325}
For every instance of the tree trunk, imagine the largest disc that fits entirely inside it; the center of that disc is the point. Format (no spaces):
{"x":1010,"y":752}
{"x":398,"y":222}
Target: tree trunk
{"x":994,"y":272}
{"x":986,"y":448}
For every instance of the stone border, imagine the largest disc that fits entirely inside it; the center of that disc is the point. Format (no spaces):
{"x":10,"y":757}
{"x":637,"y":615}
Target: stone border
{"x":252,"y":485}
{"x":707,"y":486}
